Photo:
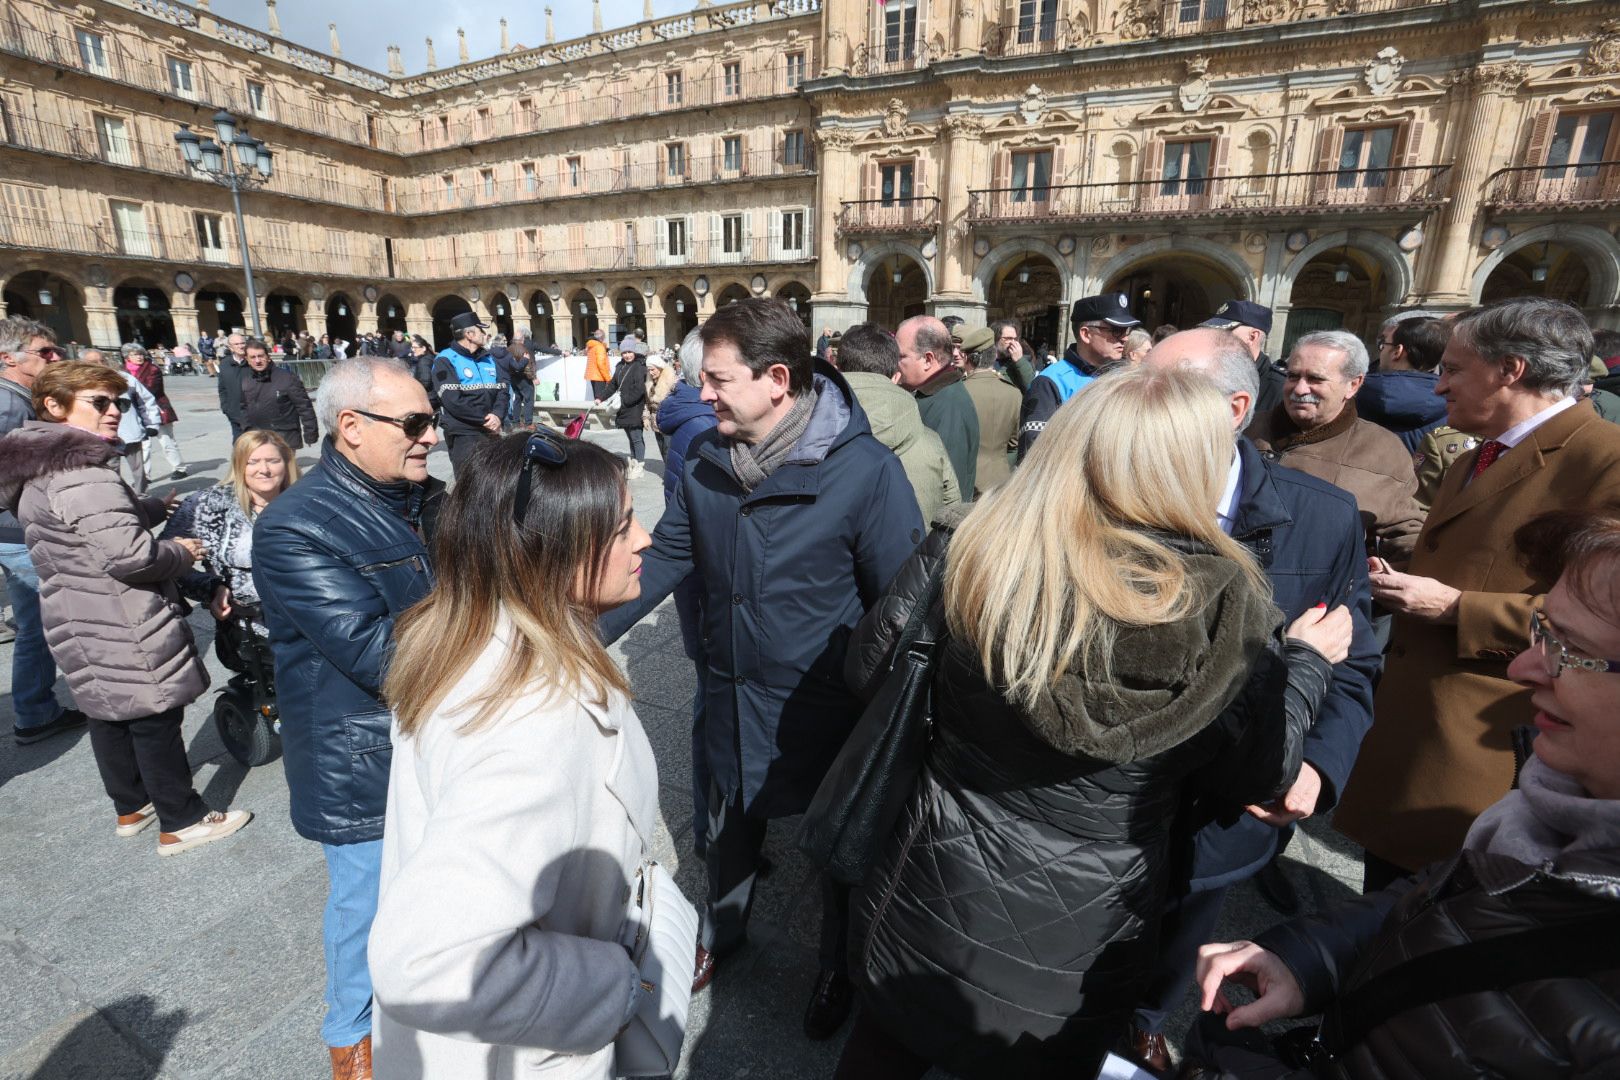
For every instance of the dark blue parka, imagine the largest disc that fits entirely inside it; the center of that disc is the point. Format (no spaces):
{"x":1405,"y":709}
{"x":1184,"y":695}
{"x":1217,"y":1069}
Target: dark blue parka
{"x":1307,"y":535}
{"x":682,"y":417}
{"x":788,"y":571}
{"x":1403,"y":402}
{"x":337,"y":557}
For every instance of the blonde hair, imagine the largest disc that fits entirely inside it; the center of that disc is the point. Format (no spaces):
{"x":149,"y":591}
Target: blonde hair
{"x":1139,"y":453}
{"x":243,"y":448}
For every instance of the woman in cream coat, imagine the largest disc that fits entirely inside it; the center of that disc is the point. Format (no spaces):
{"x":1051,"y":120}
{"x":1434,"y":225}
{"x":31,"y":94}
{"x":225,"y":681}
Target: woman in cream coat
{"x":523,"y":791}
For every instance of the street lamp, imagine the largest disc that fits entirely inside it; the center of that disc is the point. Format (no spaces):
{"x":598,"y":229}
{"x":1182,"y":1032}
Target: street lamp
{"x":210,"y":159}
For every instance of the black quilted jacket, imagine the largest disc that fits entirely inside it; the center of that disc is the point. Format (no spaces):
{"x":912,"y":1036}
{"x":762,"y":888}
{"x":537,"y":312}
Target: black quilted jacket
{"x":1010,"y":923}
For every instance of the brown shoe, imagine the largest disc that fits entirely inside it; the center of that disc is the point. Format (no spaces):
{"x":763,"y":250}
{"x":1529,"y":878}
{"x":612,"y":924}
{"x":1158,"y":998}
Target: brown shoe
{"x":352,"y":1062}
{"x":1146,"y":1049}
{"x":130,"y":824}
{"x":702,"y":969}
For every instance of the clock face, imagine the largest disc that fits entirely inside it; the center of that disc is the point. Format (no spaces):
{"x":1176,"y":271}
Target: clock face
{"x":184,"y":281}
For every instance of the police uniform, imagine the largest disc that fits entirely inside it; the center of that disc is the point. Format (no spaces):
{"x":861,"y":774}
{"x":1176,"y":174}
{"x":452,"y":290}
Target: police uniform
{"x":1061,"y":380}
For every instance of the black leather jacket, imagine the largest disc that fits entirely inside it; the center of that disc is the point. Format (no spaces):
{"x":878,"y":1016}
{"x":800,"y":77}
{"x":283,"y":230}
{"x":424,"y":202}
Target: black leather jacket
{"x":337,"y":557}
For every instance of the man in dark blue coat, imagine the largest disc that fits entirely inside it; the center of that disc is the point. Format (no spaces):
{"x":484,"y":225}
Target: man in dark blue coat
{"x":337,"y":558}
{"x":1308,"y":538}
{"x":797,"y":518}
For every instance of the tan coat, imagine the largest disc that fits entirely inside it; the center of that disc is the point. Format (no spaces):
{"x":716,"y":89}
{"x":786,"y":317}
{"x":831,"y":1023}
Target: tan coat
{"x":997,"y":402}
{"x":1359,"y":457}
{"x":1439,"y":751}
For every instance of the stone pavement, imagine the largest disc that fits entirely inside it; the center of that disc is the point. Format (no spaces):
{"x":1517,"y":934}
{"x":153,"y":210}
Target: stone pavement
{"x":118,"y":965}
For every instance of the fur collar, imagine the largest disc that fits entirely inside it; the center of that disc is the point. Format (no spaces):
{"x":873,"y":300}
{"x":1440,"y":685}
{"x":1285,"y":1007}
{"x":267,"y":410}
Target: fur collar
{"x":38,"y":449}
{"x":1286,"y":435}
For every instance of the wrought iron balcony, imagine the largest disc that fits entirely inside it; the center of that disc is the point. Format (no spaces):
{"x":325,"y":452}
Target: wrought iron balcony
{"x":917,"y":214}
{"x":1182,"y":18}
{"x":1591,"y":185}
{"x":594,"y":258}
{"x":1414,"y":188}
{"x":884,"y":57}
{"x":1036,"y":38}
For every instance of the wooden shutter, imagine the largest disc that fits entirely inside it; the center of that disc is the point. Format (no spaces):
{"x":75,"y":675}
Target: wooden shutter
{"x":1000,"y":181}
{"x":1152,"y":172}
{"x":1219,"y":159}
{"x":1410,"y":178}
{"x":1541,"y":132}
{"x":742,"y":155}
{"x":1328,"y":141}
{"x":871,"y":181}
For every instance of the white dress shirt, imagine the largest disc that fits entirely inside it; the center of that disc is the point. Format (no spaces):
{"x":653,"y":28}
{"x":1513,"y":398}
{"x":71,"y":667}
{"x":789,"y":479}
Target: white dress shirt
{"x":1226,"y":509}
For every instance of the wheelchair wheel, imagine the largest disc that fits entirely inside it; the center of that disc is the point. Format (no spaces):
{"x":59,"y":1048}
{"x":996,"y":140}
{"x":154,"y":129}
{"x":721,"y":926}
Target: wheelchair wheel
{"x":246,"y":733}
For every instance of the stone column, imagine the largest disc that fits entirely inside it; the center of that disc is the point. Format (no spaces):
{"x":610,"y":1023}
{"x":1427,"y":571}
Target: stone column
{"x":655,"y":325}
{"x":969,"y":26}
{"x":1457,"y":238}
{"x":419,"y":320}
{"x":183,"y":313}
{"x":366,"y":318}
{"x":962,"y":147}
{"x":838,"y":172}
{"x":102,"y":320}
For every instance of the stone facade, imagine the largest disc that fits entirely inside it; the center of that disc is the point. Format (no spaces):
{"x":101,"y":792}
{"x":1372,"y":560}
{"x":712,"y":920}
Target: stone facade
{"x":1337,"y":160}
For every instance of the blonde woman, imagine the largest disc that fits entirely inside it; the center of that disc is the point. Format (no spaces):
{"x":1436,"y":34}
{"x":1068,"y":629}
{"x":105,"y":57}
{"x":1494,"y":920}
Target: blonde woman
{"x":222,"y":517}
{"x":1112,"y":656}
{"x":523,"y":791}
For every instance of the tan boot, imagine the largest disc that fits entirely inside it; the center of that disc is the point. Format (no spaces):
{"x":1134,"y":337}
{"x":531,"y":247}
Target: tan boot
{"x":352,"y":1062}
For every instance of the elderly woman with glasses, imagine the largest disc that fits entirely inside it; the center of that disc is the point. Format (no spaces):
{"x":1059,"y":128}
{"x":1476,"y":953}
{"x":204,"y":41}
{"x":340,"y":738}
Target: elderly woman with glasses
{"x":113,"y":615}
{"x":1502,"y":959}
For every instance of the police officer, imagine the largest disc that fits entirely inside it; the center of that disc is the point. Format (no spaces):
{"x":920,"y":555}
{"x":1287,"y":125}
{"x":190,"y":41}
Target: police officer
{"x":470,"y":389}
{"x":1100,"y":324}
{"x":1250,"y":323}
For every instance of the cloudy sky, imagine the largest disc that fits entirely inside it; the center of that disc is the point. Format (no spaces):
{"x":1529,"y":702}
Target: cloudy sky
{"x":367,"y":28}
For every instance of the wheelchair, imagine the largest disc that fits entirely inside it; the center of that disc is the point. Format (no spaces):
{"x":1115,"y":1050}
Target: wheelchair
{"x":245,"y":711}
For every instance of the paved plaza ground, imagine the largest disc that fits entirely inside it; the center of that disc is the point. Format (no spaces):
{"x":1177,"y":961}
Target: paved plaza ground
{"x":118,"y":965}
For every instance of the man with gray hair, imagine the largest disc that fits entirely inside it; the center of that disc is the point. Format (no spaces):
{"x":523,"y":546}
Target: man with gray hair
{"x":1443,"y":748}
{"x":1316,"y":430}
{"x":1306,"y":535}
{"x":232,"y":370}
{"x":337,"y":558}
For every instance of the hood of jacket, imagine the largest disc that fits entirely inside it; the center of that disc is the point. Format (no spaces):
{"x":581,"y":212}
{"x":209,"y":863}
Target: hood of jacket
{"x":1146,"y":706}
{"x":684,"y":403}
{"x":1401,"y":399}
{"x":891,"y":412}
{"x":38,"y":449}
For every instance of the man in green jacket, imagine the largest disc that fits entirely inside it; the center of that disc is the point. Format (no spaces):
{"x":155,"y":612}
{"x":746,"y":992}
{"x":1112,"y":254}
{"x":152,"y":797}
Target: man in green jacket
{"x":997,"y":402}
{"x":926,"y":370}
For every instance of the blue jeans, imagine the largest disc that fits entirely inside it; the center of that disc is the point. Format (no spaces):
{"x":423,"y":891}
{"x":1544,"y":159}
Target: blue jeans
{"x":353,"y":874}
{"x":33,"y":672}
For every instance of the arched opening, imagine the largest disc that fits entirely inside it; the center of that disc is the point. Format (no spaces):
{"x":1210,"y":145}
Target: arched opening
{"x":284,"y":315}
{"x":446,"y":308}
{"x":390,"y":315}
{"x":143,"y":315}
{"x":542,"y":323}
{"x":342,"y":320}
{"x":896,"y":289}
{"x":1547,"y":269}
{"x":500,"y":311}
{"x":1028,"y":290}
{"x":797,"y":297}
{"x":1341,"y":289}
{"x":1182,"y":290}
{"x":51,"y":299}
{"x":219,"y":308}
{"x":680,"y":314}
{"x":629,"y":314}
{"x":731,"y":294}
{"x":582,"y":310}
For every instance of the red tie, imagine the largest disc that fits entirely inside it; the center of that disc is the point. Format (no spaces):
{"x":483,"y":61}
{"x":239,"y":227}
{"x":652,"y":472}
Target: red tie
{"x":1487,"y":454}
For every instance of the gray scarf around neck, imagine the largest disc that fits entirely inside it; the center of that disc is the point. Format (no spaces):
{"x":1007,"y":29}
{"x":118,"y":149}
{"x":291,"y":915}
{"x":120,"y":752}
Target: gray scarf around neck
{"x":753,"y":464}
{"x":1548,"y":814}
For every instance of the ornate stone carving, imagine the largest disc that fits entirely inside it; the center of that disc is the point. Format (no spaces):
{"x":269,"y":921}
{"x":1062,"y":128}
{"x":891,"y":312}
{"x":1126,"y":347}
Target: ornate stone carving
{"x":1603,"y":58}
{"x":894,"y":118}
{"x":835,"y":138}
{"x":962,"y":124}
{"x":1100,"y":244}
{"x":1498,"y":78}
{"x":1268,"y":11}
{"x":1033,"y":105}
{"x":1255,"y":243}
{"x":1193,"y":93}
{"x":1384,"y":71}
{"x":1137,"y":20}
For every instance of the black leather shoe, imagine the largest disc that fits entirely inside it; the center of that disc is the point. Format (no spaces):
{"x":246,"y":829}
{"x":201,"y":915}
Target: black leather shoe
{"x":1277,"y":889}
{"x":829,"y":1006}
{"x":69,"y":720}
{"x":702,"y":969}
{"x":1147,"y":1050}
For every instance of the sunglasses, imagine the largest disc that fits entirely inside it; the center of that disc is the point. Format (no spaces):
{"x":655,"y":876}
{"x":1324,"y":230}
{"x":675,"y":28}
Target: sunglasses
{"x":101,"y":403}
{"x":548,"y":449}
{"x":49,"y":353}
{"x":414,"y":424}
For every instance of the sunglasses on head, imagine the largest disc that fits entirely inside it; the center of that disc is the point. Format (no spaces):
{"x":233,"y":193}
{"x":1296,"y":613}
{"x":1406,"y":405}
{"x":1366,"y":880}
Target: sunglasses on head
{"x":548,"y":449}
{"x":414,"y":424}
{"x":102,"y":402}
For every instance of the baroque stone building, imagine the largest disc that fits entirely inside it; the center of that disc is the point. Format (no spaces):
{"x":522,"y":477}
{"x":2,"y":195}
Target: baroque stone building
{"x":1335,"y":159}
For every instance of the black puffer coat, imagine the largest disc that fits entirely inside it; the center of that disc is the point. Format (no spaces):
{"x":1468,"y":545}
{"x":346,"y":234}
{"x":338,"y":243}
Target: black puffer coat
{"x":1009,"y":926}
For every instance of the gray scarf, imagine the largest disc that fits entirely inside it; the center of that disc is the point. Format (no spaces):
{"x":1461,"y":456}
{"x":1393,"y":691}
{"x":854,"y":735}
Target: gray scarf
{"x":1547,"y":815}
{"x":753,"y":464}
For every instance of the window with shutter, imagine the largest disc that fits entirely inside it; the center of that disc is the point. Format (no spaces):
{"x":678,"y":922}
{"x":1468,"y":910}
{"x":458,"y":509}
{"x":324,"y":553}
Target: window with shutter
{"x":112,"y":136}
{"x":27,"y":222}
{"x":129,"y":224}
{"x":210,"y":237}
{"x":1365,"y":155}
{"x":92,"y":52}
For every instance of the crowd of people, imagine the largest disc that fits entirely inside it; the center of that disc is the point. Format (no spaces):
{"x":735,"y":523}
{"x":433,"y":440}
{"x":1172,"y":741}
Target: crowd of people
{"x":1182,"y":598}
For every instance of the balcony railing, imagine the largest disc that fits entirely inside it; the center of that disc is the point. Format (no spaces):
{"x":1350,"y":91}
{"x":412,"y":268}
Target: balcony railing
{"x":1420,"y":187}
{"x":1036,"y":38}
{"x":883,"y":57}
{"x":1182,"y":18}
{"x":744,"y":251}
{"x":40,"y":234}
{"x":917,"y":214}
{"x":548,"y":183}
{"x":1591,"y":185}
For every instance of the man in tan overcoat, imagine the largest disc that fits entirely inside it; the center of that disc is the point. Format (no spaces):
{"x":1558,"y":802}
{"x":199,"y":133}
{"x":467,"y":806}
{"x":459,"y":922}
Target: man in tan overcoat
{"x":1440,"y":749}
{"x":997,"y":402}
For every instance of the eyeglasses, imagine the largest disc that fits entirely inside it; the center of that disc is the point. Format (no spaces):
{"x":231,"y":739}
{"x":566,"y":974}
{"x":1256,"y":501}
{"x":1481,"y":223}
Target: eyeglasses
{"x":1106,"y":329}
{"x":550,"y":450}
{"x":101,"y":403}
{"x":50,"y":353}
{"x":1556,"y":656}
{"x":1386,"y":344}
{"x":414,"y":424}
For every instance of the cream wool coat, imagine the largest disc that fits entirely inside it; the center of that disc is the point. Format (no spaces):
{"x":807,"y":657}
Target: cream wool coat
{"x":507,"y":860}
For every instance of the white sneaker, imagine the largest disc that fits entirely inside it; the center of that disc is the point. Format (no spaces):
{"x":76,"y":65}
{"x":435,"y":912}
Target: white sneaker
{"x":217,"y":825}
{"x":130,"y":824}
{"x":635,"y":469}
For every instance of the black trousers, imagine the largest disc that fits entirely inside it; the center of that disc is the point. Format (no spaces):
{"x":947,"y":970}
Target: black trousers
{"x":734,"y":842}
{"x":1187,"y":923}
{"x":638,"y":443}
{"x":144,"y":761}
{"x":522,"y":401}
{"x":461,"y":448}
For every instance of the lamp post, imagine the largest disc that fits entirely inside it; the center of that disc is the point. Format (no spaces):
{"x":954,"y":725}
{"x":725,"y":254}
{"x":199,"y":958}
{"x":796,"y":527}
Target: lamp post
{"x":250,"y":168}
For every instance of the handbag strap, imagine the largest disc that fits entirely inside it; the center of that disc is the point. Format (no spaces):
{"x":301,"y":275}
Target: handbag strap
{"x":923,"y":624}
{"x":1562,"y":951}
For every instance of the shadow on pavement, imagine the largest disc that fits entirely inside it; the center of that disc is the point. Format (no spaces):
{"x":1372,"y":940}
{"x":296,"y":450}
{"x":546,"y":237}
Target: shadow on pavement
{"x":17,"y":760}
{"x":125,"y":1040}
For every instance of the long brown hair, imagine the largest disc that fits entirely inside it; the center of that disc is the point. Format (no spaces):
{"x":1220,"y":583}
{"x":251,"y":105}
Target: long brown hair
{"x":540,"y":576}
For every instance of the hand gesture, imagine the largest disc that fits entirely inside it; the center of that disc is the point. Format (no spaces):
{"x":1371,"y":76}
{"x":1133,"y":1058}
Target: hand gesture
{"x":1277,"y":992}
{"x":1408,"y":594}
{"x":1328,"y":632}
{"x":1296,"y":804}
{"x":220,"y":605}
{"x":492,"y":422}
{"x":194,"y":547}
